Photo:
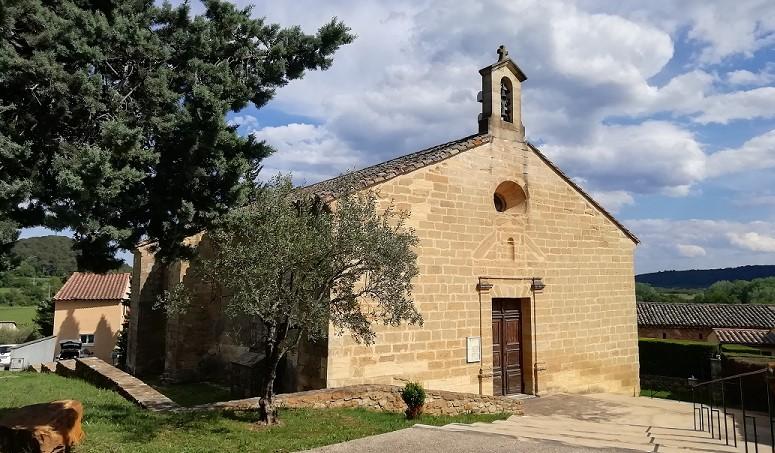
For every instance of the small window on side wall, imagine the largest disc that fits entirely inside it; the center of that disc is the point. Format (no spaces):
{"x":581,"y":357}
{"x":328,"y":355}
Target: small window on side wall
{"x":87,"y":339}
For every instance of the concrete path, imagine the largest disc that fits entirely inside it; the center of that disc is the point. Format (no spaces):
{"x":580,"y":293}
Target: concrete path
{"x":420,"y":439}
{"x":565,"y":423}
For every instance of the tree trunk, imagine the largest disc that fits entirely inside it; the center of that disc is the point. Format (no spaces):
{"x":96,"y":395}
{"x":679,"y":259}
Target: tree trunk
{"x":267,"y":411}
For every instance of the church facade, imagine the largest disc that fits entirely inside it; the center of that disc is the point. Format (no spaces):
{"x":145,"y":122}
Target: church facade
{"x":526,"y":284}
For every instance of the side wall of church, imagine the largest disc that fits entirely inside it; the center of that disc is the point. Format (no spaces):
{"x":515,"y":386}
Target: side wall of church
{"x":581,"y":335}
{"x":199,"y":341}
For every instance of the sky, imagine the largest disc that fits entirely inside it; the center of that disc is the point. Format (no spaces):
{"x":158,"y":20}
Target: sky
{"x":663,"y":110}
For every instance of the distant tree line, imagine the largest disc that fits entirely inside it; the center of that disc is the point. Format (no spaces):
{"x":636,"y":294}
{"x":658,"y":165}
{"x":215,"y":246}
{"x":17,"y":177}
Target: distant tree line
{"x":703,"y":278}
{"x":756,"y":291}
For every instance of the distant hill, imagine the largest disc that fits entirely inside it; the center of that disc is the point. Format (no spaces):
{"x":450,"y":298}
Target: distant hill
{"x":55,"y":255}
{"x":703,"y":278}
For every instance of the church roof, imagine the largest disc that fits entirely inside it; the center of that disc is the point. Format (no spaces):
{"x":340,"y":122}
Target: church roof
{"x":384,"y":171}
{"x":370,"y":176}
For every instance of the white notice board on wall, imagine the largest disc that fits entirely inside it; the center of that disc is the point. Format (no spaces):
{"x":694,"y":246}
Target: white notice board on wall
{"x":473,"y":349}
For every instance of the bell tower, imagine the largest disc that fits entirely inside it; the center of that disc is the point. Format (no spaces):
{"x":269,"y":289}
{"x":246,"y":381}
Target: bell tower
{"x":501,"y":100}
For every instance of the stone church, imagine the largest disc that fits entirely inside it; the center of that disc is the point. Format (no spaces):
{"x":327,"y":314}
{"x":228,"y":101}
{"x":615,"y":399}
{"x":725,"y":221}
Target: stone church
{"x":526,"y":283}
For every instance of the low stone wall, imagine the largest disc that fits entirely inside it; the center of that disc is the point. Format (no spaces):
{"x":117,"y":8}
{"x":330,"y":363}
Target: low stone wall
{"x":383,"y":398}
{"x":102,"y":374}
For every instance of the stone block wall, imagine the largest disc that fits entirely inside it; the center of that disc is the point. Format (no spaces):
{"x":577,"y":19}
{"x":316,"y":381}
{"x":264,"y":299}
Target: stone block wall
{"x":383,"y":398}
{"x":584,"y":321}
{"x":671,"y":333}
{"x":147,"y":326}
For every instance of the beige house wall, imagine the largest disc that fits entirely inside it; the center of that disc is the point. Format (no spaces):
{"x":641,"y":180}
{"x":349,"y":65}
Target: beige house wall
{"x":584,"y":320}
{"x":101,"y":318}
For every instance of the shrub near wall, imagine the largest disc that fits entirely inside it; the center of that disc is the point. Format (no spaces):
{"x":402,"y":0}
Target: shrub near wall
{"x":676,"y":358}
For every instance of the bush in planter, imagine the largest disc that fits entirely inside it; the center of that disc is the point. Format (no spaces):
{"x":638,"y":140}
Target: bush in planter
{"x":414,"y":396}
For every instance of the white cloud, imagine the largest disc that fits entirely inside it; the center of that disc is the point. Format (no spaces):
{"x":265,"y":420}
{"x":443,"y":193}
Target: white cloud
{"x":747,"y":78}
{"x":737,"y":105}
{"x":652,"y":157}
{"x":408,"y":82}
{"x":661,"y":241}
{"x":721,"y":29}
{"x":730,"y":29}
{"x":753,"y":241}
{"x":310,"y":151}
{"x":249,"y":121}
{"x":755,"y":154}
{"x":690,"y":251}
{"x":585,"y":61}
{"x":613,"y":200}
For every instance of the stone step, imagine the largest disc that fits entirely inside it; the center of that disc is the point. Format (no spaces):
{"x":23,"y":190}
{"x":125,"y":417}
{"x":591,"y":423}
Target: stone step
{"x":580,"y":425}
{"x":663,"y":435}
{"x":50,"y":367}
{"x":541,"y":435}
{"x":604,"y":427}
{"x":601,"y":435}
{"x":610,"y":435}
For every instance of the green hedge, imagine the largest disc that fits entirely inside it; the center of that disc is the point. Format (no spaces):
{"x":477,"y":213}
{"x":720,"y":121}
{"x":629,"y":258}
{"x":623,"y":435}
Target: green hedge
{"x":676,"y":358}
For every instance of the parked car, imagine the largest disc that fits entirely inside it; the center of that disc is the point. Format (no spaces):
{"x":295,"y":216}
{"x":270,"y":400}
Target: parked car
{"x":5,"y":356}
{"x":69,"y":349}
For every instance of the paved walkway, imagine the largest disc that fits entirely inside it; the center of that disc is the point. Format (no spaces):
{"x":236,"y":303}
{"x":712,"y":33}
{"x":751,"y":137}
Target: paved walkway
{"x":564,"y":423}
{"x":437,"y":441}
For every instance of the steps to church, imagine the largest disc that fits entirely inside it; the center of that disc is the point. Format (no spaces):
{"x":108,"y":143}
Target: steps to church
{"x":607,"y":421}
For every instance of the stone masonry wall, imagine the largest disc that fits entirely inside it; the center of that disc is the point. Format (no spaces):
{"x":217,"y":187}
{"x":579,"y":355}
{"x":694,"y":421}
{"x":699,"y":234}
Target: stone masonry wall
{"x":580,"y":334}
{"x":584,"y":321}
{"x":147,"y":326}
{"x":700,"y":334}
{"x":383,"y":398}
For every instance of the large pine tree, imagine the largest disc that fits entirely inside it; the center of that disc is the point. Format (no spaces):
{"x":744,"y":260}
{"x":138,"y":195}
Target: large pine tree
{"x":113,"y":115}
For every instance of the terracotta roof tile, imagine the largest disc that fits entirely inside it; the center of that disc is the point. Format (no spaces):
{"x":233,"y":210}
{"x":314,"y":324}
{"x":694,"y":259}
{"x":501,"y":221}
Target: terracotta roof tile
{"x":745,"y":316}
{"x":85,"y":286}
{"x":369,"y":176}
{"x":745,"y":336}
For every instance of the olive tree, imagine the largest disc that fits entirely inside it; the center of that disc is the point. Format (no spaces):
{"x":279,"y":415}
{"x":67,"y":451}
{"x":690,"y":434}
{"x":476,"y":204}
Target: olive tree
{"x":296,"y":264}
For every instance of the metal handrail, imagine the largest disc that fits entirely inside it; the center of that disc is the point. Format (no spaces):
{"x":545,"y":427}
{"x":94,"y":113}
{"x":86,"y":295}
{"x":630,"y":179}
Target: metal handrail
{"x":708,"y":409}
{"x":729,"y":378}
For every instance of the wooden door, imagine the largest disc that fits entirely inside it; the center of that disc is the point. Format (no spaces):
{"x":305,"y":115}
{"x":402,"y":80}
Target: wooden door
{"x":506,"y":346}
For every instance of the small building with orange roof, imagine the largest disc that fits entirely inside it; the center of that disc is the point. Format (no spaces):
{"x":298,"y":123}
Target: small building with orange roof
{"x":90,"y":308}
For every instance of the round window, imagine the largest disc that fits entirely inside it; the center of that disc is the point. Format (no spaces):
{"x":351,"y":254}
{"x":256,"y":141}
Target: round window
{"x":508,"y":195}
{"x":500,"y":203}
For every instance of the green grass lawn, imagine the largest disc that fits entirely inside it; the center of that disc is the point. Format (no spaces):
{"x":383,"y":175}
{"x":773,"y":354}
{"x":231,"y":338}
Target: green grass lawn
{"x":112,"y":424}
{"x":192,"y":394}
{"x":20,"y":314}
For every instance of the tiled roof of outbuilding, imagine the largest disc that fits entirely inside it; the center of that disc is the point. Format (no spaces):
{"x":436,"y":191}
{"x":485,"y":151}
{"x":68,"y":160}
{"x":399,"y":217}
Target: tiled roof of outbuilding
{"x":745,"y":336}
{"x":370,"y":176}
{"x":85,"y":286}
{"x":741,"y":316}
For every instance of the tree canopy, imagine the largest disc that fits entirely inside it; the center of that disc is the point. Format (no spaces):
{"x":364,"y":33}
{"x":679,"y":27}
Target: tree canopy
{"x":51,"y":255}
{"x":112,"y":116}
{"x":293,"y":265}
{"x":756,"y":291}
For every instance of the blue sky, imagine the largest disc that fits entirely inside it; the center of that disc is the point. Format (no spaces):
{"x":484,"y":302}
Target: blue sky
{"x":664,"y":110}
